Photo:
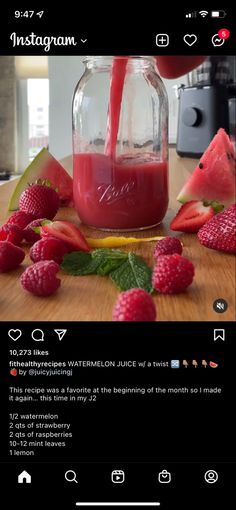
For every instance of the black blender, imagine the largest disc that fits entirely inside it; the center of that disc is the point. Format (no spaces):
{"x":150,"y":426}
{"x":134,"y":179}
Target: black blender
{"x":206,"y":104}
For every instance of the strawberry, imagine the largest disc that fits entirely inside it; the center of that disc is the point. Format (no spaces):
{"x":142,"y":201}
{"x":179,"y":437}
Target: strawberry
{"x":11,"y":256}
{"x":13,"y":372}
{"x":40,"y":200}
{"x":220,"y":232}
{"x":191,"y":217}
{"x":66,"y":232}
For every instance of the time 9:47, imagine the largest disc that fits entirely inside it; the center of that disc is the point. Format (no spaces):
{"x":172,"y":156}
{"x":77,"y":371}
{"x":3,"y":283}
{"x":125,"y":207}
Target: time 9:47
{"x":28,"y":14}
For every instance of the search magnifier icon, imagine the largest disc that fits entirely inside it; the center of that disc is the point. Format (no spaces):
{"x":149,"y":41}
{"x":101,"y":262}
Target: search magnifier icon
{"x":70,"y":476}
{"x":38,"y":335}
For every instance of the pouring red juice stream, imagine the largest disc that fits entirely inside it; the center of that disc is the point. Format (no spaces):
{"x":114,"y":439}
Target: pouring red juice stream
{"x":168,"y":66}
{"x":124,"y":203}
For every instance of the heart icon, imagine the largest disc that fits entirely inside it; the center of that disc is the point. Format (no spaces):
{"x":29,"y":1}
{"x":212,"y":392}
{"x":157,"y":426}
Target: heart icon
{"x":190,"y":39}
{"x":14,"y":334}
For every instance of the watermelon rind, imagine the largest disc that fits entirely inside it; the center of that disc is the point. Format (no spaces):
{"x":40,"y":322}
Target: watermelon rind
{"x":39,"y":168}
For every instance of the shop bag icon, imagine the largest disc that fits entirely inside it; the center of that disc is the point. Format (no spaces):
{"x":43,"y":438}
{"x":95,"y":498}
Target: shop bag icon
{"x":164,"y":476}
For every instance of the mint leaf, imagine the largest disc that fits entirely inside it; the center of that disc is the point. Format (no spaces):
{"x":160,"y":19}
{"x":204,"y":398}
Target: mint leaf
{"x":126,"y":270}
{"x":79,"y":263}
{"x":101,"y":261}
{"x":133,"y":273}
{"x":110,"y":259}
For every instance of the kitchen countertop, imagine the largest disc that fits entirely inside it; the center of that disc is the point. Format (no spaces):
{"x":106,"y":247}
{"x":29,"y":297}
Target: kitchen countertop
{"x":91,"y":298}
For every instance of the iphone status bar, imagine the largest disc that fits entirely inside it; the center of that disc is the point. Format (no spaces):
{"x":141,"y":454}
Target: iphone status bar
{"x":37,"y":32}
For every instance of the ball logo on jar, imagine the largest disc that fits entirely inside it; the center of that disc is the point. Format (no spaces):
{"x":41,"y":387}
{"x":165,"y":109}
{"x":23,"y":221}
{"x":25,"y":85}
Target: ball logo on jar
{"x":111,"y":194}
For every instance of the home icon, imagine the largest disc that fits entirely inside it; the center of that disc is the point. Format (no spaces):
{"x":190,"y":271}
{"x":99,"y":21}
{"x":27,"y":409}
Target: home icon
{"x":24,"y":477}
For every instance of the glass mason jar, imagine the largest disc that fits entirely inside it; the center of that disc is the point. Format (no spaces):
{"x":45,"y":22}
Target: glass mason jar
{"x":120,"y":144}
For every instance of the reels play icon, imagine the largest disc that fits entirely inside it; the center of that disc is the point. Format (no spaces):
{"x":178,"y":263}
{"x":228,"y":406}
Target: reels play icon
{"x":118,"y":476}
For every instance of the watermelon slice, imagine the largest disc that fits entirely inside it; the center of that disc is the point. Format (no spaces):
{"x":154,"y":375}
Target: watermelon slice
{"x":44,"y":166}
{"x":213,"y":364}
{"x":213,"y":180}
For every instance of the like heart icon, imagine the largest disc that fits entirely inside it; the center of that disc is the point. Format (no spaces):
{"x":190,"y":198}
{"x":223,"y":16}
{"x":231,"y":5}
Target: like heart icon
{"x":14,"y":334}
{"x":190,"y":39}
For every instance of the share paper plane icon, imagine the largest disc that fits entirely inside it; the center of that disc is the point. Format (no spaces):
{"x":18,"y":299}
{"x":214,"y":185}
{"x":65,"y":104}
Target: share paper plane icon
{"x":60,"y":332}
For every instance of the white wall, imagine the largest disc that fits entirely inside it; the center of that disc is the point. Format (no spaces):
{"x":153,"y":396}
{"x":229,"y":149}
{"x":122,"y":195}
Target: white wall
{"x":64,"y":73}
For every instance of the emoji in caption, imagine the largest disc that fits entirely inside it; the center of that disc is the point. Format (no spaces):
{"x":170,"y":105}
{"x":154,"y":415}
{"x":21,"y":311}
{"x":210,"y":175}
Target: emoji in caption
{"x":14,"y":372}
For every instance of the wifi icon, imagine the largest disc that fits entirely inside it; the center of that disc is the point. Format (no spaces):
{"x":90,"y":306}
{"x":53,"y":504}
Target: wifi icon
{"x":203,"y":14}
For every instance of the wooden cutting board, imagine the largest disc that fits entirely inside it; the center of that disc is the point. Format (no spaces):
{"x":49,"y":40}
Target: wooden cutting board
{"x":91,"y":298}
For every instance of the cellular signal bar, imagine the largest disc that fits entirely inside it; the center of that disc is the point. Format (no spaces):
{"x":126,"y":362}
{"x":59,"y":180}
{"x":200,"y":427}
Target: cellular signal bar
{"x":118,"y":504}
{"x":191,"y":14}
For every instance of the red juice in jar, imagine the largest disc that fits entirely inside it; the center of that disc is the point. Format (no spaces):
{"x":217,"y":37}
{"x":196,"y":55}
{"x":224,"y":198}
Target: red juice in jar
{"x":120,"y":140}
{"x":127,"y":194}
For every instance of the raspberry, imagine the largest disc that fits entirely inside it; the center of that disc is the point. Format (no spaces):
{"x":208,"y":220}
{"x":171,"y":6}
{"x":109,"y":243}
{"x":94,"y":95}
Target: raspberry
{"x":40,"y":278}
{"x":134,"y":305}
{"x":172,"y":274}
{"x":167,"y":246}
{"x":41,"y":200}
{"x":49,"y":248}
{"x":11,"y":233}
{"x":20,"y":218}
{"x":10,"y":256}
{"x":29,"y":235}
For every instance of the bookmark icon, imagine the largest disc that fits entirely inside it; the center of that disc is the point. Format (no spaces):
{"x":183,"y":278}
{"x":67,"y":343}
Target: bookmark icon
{"x":219,"y":334}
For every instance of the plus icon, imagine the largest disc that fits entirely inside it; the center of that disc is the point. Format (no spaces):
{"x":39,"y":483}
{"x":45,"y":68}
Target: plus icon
{"x":162,"y":40}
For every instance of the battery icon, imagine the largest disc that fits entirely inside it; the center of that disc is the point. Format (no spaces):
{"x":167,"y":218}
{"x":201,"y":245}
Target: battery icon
{"x":218,"y":14}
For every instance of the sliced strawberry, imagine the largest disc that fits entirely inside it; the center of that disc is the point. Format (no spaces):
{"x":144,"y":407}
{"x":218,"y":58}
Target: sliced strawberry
{"x":67,"y":232}
{"x":191,"y":217}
